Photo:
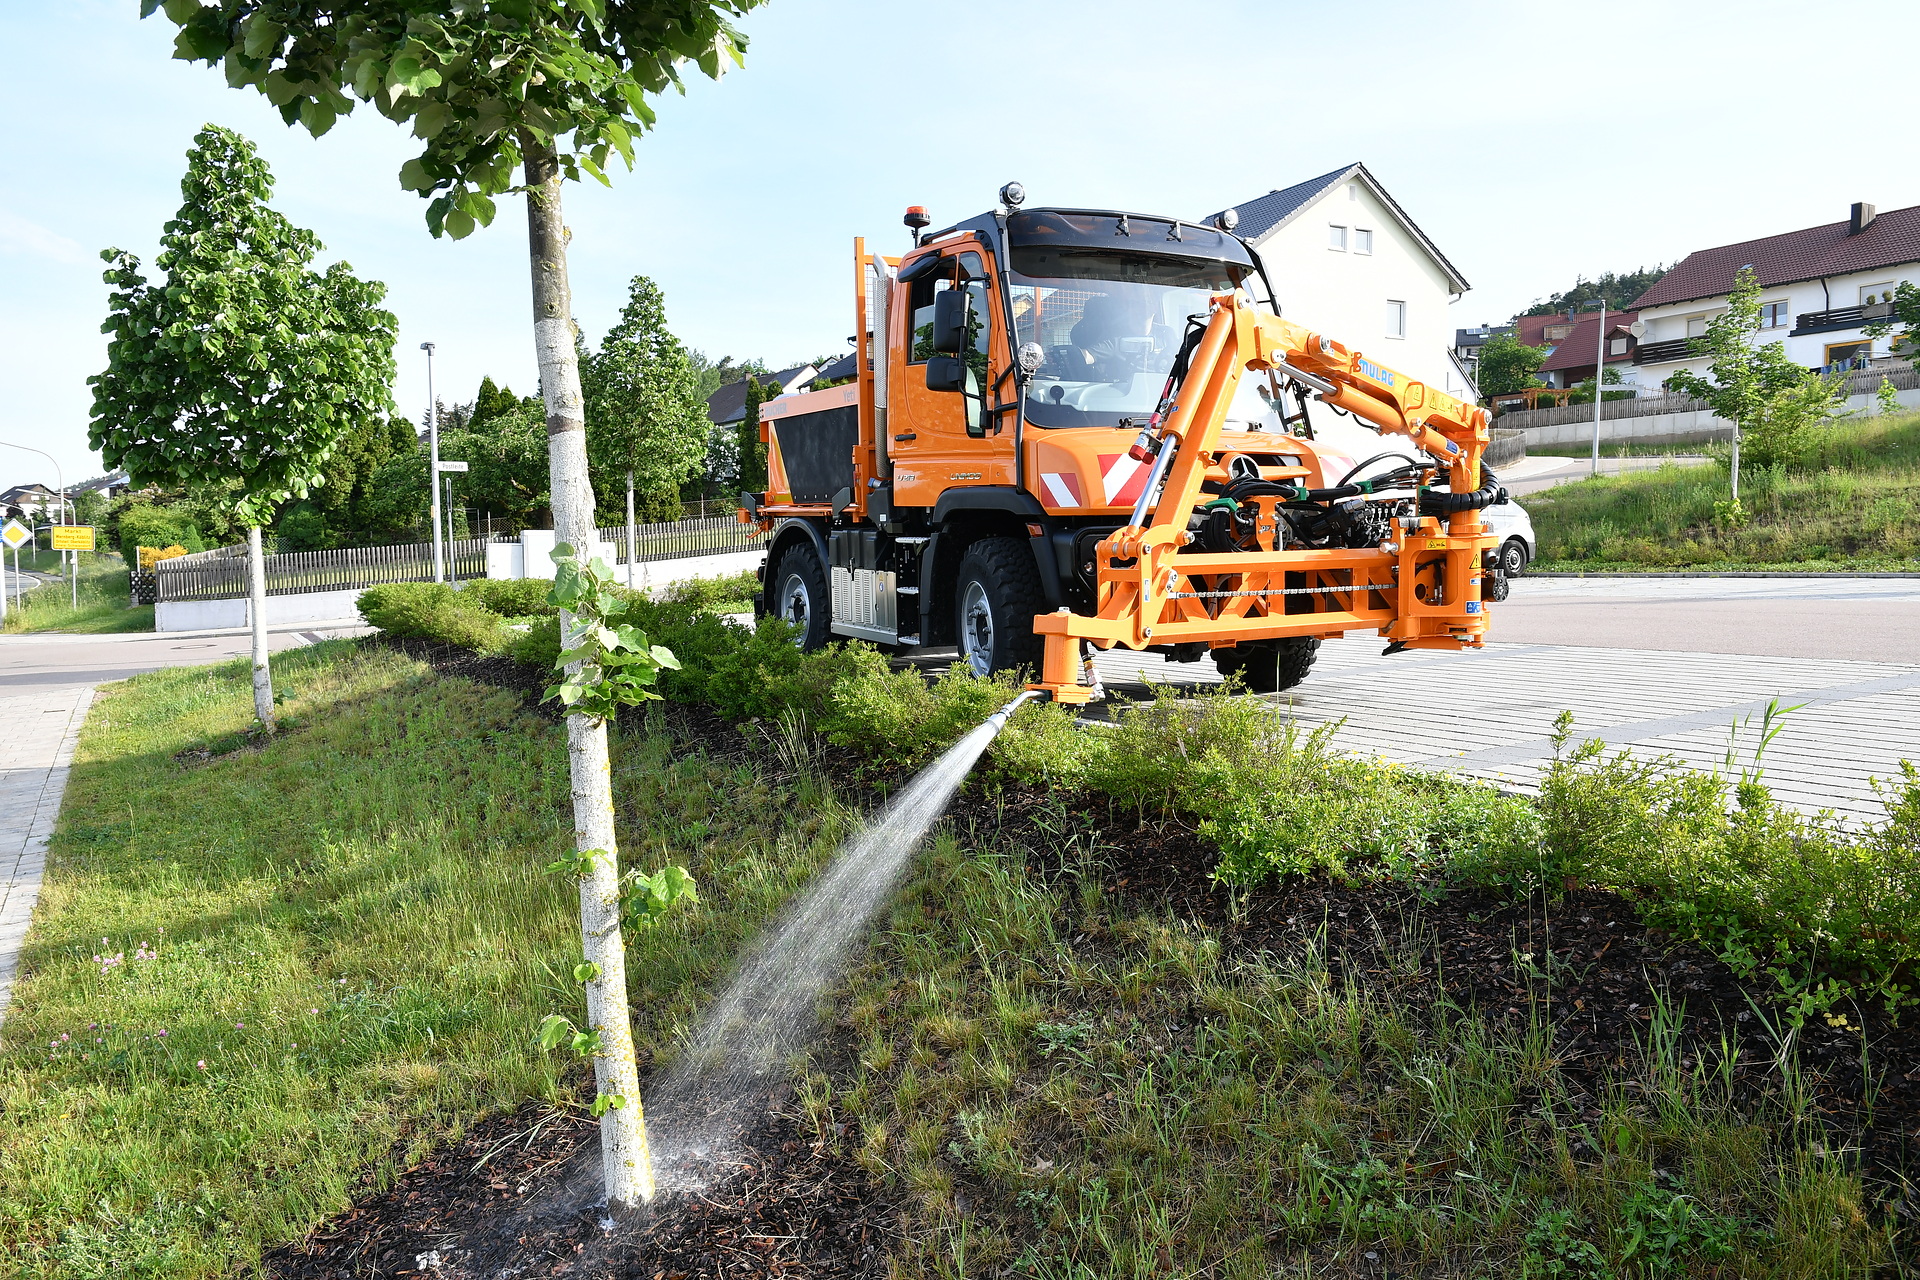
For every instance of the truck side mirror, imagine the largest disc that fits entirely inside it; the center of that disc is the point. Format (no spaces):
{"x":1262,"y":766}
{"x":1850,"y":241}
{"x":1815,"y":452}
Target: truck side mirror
{"x":945,"y":373}
{"x":950,"y":321}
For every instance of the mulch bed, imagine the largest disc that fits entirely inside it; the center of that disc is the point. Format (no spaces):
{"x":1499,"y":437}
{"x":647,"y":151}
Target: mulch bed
{"x":798,"y":1210}
{"x":516,"y":1197}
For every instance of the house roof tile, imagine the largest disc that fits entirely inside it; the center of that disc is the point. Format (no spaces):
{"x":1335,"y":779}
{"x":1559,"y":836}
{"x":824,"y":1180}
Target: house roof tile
{"x":1576,"y":350}
{"x":1892,"y":239}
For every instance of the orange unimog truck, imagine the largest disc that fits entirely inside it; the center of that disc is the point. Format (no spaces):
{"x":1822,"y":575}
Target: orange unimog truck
{"x":1076,"y":428}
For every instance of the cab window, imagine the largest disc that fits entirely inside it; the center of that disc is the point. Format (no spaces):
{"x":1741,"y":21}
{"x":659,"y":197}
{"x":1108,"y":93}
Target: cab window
{"x":964,"y":270}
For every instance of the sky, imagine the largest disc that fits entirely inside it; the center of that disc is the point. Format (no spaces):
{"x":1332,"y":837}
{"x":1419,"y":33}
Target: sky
{"x":1532,"y":142}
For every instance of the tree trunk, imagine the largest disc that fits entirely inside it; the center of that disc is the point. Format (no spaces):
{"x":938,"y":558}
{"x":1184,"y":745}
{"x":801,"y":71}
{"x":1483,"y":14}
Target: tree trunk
{"x":1736,"y":462}
{"x":632,"y":560}
{"x":623,"y":1130}
{"x":257,"y":615}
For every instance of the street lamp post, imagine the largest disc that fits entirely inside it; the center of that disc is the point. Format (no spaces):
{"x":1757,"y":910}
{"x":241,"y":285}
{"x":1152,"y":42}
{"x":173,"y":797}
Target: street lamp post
{"x":73,"y":571}
{"x":1599,"y":374}
{"x":433,"y":466}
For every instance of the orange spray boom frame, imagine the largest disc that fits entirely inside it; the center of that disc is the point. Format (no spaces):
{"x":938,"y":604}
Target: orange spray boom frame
{"x":1421,"y":587}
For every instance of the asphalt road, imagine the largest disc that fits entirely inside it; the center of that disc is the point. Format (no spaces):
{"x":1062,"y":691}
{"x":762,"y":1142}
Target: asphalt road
{"x":1863,"y":619}
{"x":41,"y":663}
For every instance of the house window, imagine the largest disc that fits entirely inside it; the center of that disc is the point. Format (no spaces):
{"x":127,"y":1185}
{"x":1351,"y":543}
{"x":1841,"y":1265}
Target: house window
{"x":1842,"y":352}
{"x":1336,"y":237}
{"x":1696,"y":326}
{"x":1882,"y":292}
{"x":1362,"y":240}
{"x":1617,"y":347}
{"x":1396,"y":319}
{"x":1773,"y":315}
{"x":1556,"y":332}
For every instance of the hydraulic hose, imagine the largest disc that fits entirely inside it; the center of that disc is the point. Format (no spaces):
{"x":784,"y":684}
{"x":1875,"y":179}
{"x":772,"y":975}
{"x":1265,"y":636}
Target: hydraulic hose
{"x":1434,"y":503}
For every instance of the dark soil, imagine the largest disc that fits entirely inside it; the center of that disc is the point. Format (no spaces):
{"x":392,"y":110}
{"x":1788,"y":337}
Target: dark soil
{"x":507,"y":1200}
{"x":1594,"y":974}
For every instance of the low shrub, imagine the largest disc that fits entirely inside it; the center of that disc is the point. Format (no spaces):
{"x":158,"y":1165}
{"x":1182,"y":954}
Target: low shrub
{"x":731,"y":594}
{"x":432,"y":611}
{"x":511,"y":597}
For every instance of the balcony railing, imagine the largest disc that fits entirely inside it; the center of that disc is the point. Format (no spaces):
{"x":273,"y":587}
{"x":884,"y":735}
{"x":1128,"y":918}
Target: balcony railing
{"x":1662,"y":352}
{"x":1839,"y":318}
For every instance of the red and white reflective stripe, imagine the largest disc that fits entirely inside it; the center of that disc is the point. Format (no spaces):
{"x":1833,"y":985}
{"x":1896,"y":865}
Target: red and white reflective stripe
{"x":1122,"y":478}
{"x":1063,"y":488}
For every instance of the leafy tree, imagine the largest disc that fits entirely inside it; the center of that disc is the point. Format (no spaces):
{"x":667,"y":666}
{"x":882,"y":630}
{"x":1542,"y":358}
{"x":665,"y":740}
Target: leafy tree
{"x":1508,"y":365}
{"x":752,"y":451}
{"x":1770,"y":400}
{"x":1620,"y":291}
{"x":351,"y":508}
{"x":554,"y":88}
{"x":646,"y":420}
{"x":491,"y":401}
{"x":242,"y":365}
{"x":726,"y":371}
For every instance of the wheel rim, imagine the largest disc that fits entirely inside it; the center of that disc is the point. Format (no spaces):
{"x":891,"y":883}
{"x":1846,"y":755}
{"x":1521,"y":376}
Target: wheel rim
{"x":795,"y":605}
{"x":1515,"y":561}
{"x":976,"y":629}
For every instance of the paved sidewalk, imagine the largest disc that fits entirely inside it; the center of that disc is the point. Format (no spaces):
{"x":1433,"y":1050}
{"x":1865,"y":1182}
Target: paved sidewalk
{"x":1487,"y":714}
{"x":37,"y":733}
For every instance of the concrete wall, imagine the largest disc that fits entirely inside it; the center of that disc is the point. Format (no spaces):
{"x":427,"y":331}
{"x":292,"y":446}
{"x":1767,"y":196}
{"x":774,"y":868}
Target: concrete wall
{"x":1344,"y":294}
{"x":207,"y":615}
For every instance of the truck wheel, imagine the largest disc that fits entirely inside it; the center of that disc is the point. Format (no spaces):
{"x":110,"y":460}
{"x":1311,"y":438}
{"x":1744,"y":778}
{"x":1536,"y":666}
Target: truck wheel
{"x":1513,"y":557}
{"x":800,"y":596}
{"x":1268,"y":666}
{"x":995,"y":597}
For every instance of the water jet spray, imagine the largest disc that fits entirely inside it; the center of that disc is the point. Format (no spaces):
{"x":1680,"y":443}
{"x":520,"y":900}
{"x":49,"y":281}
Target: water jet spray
{"x":739,"y":1054}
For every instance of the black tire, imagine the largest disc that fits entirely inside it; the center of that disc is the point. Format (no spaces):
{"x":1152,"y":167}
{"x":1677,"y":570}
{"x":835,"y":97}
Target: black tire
{"x":995,"y":596}
{"x":800,"y":595}
{"x":1268,"y":666}
{"x":1513,"y":558}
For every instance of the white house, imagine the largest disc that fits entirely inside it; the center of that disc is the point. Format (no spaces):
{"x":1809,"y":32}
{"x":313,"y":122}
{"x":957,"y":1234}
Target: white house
{"x":1345,"y":258}
{"x":1820,"y":288}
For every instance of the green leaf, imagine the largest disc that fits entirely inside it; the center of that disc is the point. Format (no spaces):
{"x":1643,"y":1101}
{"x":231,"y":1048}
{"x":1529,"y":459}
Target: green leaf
{"x":459,"y":223}
{"x":317,"y":116}
{"x":260,"y":35}
{"x":180,"y":11}
{"x":554,"y":1029}
{"x":586,"y":972}
{"x":664,"y":656}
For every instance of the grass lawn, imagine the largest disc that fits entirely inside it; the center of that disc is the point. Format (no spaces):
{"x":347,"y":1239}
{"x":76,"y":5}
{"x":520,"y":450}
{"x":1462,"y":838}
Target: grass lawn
{"x":1853,"y":503}
{"x":264,"y":979}
{"x":255,"y":977}
{"x":103,"y":598}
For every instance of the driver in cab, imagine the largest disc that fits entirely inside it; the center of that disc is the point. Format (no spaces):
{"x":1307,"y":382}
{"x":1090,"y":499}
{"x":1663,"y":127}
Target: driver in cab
{"x":1113,"y":335}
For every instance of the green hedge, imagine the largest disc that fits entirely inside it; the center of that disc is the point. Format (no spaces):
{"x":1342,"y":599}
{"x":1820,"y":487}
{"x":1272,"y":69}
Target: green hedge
{"x":432,"y":611}
{"x":1766,"y":887}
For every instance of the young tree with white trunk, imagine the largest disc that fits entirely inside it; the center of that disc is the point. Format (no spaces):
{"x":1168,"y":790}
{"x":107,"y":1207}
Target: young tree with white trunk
{"x":241,"y":362}
{"x":554,"y":88}
{"x":646,"y":419}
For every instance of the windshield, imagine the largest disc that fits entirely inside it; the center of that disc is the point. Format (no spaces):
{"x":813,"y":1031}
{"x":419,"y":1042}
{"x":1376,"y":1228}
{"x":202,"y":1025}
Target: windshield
{"x":1110,"y":323}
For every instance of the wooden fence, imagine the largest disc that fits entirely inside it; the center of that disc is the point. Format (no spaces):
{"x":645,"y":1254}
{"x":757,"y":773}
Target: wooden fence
{"x":222,"y":574}
{"x":706,"y":536}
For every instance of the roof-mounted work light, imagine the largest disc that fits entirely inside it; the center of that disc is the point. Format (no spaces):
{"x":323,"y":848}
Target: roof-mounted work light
{"x":1013,"y":195}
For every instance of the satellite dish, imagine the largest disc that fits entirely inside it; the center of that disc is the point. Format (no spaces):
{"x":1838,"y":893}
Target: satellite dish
{"x":1638,"y":328}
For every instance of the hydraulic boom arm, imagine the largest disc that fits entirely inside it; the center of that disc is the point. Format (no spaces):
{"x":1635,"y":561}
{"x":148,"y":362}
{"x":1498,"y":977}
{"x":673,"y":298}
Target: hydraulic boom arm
{"x":1419,"y":583}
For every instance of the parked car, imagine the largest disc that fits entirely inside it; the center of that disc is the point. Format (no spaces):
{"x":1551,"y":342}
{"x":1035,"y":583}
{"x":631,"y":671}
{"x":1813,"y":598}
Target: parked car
{"x":1517,"y":546}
